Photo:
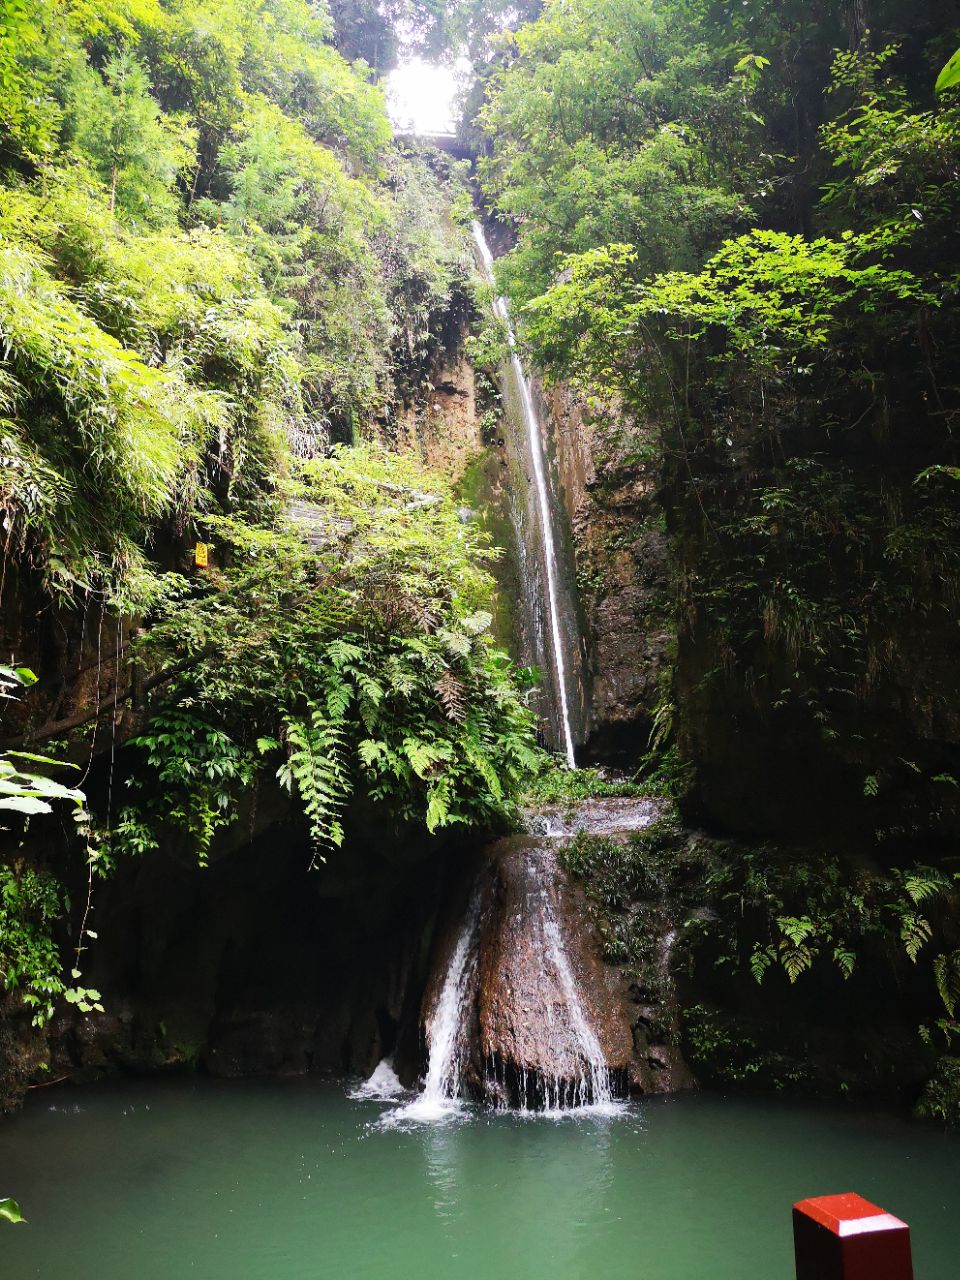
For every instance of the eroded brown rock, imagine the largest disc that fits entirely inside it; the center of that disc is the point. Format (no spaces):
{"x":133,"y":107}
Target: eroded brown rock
{"x":544,"y":1020}
{"x":532,"y":947}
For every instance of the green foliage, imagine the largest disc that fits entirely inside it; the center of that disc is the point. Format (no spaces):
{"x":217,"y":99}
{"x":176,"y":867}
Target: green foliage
{"x":665,"y":772}
{"x":30,"y":961}
{"x":607,"y":121}
{"x":207,"y":273}
{"x":730,"y":1050}
{"x":86,"y":999}
{"x":24,"y":791}
{"x":752,"y":909}
{"x":559,"y":785}
{"x":741,"y":244}
{"x":949,"y":77}
{"x":946,"y":970}
{"x":633,"y":884}
{"x":794,"y":914}
{"x":31,"y":793}
{"x":30,"y":897}
{"x":488,"y":346}
{"x":29,"y":114}
{"x":892,"y":163}
{"x":374,"y":669}
{"x":429,"y":265}
{"x":121,"y":449}
{"x":115,"y":123}
{"x":776,"y":302}
{"x":211,"y":264}
{"x":197,"y":765}
{"x":737,"y":912}
{"x":946,"y":973}
{"x":941,"y":1095}
{"x":10,"y":1210}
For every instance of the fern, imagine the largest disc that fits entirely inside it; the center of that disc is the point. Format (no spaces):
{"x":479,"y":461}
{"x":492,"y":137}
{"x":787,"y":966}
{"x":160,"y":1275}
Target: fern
{"x":452,"y":693}
{"x":341,"y":653}
{"x":915,"y":931}
{"x":946,"y":970}
{"x":844,"y":959}
{"x":923,"y":884}
{"x":761,"y":959}
{"x":314,"y":767}
{"x":284,"y":655}
{"x":438,"y":809}
{"x":424,"y":757}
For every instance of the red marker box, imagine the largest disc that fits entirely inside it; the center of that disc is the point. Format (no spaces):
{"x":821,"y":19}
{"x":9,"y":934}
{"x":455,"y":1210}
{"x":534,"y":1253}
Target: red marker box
{"x":847,"y":1238}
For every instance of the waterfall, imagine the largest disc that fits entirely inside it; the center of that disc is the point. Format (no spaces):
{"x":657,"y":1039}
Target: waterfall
{"x":520,"y":1011}
{"x":535,"y":1010}
{"x":440,"y":1097}
{"x":443,"y":1070}
{"x":593,"y":1087}
{"x":547,"y":525}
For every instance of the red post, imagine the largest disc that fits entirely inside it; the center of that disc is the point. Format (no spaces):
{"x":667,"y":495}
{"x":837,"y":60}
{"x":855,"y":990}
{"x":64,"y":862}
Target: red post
{"x":847,"y":1238}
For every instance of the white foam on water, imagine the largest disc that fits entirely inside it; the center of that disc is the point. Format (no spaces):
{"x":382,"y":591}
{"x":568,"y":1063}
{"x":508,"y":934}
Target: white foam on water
{"x":383,"y":1086}
{"x":613,"y":1109}
{"x":423,"y":1111}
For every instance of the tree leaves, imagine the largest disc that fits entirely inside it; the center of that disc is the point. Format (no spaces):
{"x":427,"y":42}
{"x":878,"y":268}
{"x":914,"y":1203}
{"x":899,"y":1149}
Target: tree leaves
{"x":10,"y":1211}
{"x":949,"y":77}
{"x":27,"y":805}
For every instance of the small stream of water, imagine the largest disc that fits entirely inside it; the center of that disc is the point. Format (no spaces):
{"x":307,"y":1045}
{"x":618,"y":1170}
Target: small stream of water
{"x":440,"y":1098}
{"x":534,"y":432}
{"x":593,"y":1087}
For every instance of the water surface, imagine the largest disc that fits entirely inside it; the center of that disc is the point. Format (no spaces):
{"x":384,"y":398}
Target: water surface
{"x":296,"y":1181}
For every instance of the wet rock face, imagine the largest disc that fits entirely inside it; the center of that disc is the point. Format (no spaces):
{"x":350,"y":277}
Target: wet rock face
{"x":544,"y":1021}
{"x":24,"y":1053}
{"x":614,"y":816}
{"x":624,"y":572}
{"x":532,"y":1036}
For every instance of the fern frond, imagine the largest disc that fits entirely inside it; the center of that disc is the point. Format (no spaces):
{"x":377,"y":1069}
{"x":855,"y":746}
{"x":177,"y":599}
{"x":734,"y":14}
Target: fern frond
{"x":452,"y":693}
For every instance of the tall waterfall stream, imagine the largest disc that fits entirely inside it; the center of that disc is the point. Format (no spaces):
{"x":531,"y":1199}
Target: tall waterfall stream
{"x":548,"y":531}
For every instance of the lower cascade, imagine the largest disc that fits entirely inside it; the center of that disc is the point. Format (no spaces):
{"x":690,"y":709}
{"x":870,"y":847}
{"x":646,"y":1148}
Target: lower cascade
{"x":521,"y":1014}
{"x":441,"y":1091}
{"x":592,"y":1085}
{"x":545,"y":1030}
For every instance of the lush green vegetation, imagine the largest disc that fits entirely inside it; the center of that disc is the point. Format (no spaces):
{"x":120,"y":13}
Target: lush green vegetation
{"x":741,"y":915}
{"x":737,"y":223}
{"x":735,"y":234}
{"x":562,"y":786}
{"x":362,"y":659}
{"x":30,"y":895}
{"x":218,"y":277}
{"x":209,"y":251}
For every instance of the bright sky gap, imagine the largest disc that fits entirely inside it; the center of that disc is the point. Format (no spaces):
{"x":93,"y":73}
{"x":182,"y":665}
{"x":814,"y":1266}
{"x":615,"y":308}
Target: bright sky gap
{"x":421,"y":96}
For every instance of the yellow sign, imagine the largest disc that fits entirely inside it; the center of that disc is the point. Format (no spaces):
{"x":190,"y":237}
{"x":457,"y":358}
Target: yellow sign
{"x":200,"y":555}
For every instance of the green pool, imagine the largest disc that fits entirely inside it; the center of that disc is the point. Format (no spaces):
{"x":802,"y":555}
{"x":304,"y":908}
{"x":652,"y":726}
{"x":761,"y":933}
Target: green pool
{"x":296,"y":1181}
